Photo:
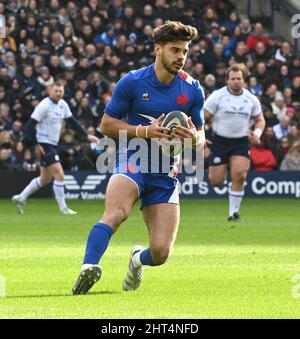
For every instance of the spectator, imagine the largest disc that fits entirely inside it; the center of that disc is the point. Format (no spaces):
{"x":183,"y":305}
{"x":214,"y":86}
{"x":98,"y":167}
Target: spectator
{"x":284,"y":78}
{"x":254,"y":87}
{"x":269,"y":139}
{"x":283,"y":128}
{"x":291,"y":161}
{"x":16,"y":132}
{"x":45,"y":79}
{"x":262,"y":159}
{"x":210,"y":83}
{"x":5,"y":118}
{"x":282,"y":149}
{"x":256,"y":36}
{"x":18,"y":155}
{"x":232,"y":22}
{"x":67,"y":60}
{"x":294,"y":135}
{"x":278,"y":106}
{"x":284,"y":54}
{"x":6,"y":163}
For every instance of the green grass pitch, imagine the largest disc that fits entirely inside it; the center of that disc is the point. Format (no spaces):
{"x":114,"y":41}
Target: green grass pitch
{"x":217,"y":270}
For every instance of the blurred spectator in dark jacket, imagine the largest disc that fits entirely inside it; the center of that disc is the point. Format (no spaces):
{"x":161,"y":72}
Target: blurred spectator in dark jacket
{"x":282,"y":149}
{"x":16,"y":132}
{"x":269,"y":140}
{"x":6,"y":162}
{"x":18,"y":155}
{"x":284,"y":54}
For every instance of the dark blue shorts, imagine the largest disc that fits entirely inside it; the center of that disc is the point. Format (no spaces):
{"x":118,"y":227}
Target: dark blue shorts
{"x":223,"y":148}
{"x":51,"y":156}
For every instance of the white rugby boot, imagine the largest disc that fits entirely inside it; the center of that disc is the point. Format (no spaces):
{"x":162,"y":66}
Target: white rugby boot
{"x":20,"y":204}
{"x":134,"y":273}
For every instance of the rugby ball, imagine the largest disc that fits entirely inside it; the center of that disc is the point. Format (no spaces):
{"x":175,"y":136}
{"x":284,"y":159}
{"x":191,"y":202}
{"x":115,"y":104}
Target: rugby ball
{"x":174,"y":146}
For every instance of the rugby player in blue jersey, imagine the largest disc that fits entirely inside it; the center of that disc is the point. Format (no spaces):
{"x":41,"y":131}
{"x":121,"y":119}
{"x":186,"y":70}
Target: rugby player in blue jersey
{"x":138,"y":104}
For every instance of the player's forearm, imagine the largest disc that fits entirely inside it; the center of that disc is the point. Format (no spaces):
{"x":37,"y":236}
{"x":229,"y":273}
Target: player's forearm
{"x":112,"y":127}
{"x":30,"y":132}
{"x":259,"y":126}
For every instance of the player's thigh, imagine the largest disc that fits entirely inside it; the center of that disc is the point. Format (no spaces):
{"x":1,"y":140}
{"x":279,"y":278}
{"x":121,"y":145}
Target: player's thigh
{"x":239,"y":167}
{"x":217,"y":174}
{"x":162,"y":221}
{"x":56,"y":171}
{"x":121,"y":195}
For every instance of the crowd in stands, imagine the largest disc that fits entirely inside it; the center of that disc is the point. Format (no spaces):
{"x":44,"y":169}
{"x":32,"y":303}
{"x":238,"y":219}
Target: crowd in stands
{"x":89,"y":45}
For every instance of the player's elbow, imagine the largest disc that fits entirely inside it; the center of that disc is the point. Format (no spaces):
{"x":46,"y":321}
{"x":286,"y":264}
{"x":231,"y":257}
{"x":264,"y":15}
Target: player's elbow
{"x":105,"y":127}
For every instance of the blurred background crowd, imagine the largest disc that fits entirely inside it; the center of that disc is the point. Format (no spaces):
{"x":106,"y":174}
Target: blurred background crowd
{"x":90,"y":45}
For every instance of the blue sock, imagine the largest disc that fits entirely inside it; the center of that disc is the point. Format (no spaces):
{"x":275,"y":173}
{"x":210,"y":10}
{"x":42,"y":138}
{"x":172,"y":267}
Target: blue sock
{"x":97,"y":243}
{"x":146,"y":258}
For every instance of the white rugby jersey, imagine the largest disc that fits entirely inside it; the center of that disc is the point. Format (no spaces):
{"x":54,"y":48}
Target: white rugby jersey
{"x":50,"y":116}
{"x":232,"y":114}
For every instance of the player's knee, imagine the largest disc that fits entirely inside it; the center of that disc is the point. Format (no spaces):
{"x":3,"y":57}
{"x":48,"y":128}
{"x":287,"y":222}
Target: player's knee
{"x":45,"y":180}
{"x":215,"y":181}
{"x":116,"y":217}
{"x":160,"y":255}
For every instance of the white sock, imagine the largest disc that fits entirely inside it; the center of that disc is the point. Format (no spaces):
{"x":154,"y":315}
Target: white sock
{"x":59,"y":193}
{"x":33,"y":186}
{"x":235,"y":199}
{"x":85,"y":266}
{"x":136,"y":259}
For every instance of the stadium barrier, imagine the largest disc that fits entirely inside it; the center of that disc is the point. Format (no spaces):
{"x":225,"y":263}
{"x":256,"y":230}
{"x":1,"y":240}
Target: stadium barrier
{"x":90,"y":185}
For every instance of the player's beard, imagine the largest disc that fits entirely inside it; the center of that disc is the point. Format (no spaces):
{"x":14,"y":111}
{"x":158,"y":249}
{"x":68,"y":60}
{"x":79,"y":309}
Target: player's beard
{"x":237,"y":89}
{"x":170,"y":66}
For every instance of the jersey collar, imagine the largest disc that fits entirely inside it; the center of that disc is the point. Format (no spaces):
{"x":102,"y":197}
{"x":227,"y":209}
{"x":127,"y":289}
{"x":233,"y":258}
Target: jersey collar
{"x":236,"y":95}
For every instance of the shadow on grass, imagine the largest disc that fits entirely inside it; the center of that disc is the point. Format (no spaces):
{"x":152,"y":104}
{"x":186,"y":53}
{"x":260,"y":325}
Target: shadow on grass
{"x":59,"y":295}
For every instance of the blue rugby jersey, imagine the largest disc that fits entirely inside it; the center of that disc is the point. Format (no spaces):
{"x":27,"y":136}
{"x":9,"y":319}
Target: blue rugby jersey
{"x":140,"y":97}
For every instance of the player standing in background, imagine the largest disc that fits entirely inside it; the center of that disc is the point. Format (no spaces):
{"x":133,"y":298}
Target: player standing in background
{"x":231,"y":109}
{"x":44,"y":128}
{"x":142,"y":96}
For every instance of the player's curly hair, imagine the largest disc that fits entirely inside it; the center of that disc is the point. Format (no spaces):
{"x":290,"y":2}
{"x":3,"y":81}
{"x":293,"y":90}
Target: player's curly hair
{"x":174,"y":31}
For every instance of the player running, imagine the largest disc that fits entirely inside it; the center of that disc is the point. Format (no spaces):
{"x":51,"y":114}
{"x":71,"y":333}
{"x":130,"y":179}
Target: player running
{"x":44,"y":128}
{"x":142,"y":96}
{"x":231,"y":109}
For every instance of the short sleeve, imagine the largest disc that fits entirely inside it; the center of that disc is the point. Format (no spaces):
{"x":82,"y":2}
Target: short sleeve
{"x":67,"y":111}
{"x":211,"y":104}
{"x":196,"y":111}
{"x":120,"y":102}
{"x":40,"y":111}
{"x":256,"y":110}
